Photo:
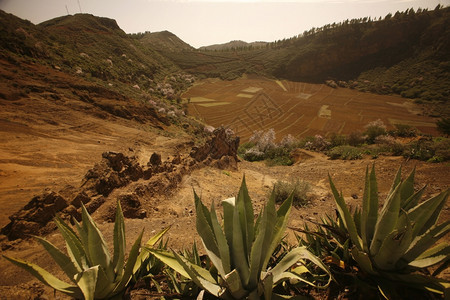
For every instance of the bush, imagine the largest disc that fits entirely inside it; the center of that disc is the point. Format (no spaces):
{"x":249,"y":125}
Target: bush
{"x":355,"y":139}
{"x":299,"y":189}
{"x":345,"y":152}
{"x":422,"y":149}
{"x":254,"y":154}
{"x":403,"y":130}
{"x":317,"y":143}
{"x":374,"y":129}
{"x":389,"y":144}
{"x":262,"y":146}
{"x":337,"y":140}
{"x":443,"y":126}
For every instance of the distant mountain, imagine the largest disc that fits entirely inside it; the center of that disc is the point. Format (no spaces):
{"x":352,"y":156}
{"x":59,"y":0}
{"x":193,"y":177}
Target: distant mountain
{"x":164,"y":41}
{"x":233,"y":45}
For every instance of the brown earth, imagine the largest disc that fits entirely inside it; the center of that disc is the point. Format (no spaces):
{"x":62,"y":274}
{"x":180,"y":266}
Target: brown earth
{"x":298,"y":108}
{"x":55,"y":129}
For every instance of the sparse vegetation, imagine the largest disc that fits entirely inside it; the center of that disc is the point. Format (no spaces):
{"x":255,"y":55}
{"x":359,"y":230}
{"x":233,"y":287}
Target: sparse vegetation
{"x":392,"y":246}
{"x":241,"y":249}
{"x":90,"y":267}
{"x":298,"y":188}
{"x":262,"y":146}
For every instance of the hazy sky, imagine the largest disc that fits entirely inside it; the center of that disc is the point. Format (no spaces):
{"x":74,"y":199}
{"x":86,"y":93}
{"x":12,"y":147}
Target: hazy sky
{"x":207,"y":22}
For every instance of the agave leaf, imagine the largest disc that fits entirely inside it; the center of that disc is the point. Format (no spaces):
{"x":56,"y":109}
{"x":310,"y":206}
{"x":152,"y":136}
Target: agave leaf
{"x":228,"y":212}
{"x":397,"y":181}
{"x":369,"y":209}
{"x":238,"y":254}
{"x":363,"y":261}
{"x":346,"y":216}
{"x":104,"y":287}
{"x":407,"y":188}
{"x":205,"y":283}
{"x":234,"y":284}
{"x":387,"y":220}
{"x":224,"y":250}
{"x":258,"y":251}
{"x":421,"y":243}
{"x":418,"y":281}
{"x":268,"y":227}
{"x":291,"y":258}
{"x":96,"y":245}
{"x":280,"y":225}
{"x":47,"y":278}
{"x":119,"y":241}
{"x":144,"y":254}
{"x":74,"y":247}
{"x":203,"y":209}
{"x":393,"y":248}
{"x":63,"y":261}
{"x":129,"y":266}
{"x":244,"y":204}
{"x":268,"y":286}
{"x":426,"y":213}
{"x":414,"y":199}
{"x":432,"y":256}
{"x":169,"y":259}
{"x":205,"y":230}
{"x":87,"y":281}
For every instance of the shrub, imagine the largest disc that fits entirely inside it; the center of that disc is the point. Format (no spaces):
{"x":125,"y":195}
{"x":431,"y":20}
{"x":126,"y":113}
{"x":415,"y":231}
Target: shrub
{"x":422,"y":149}
{"x":337,"y":140}
{"x":345,"y":152}
{"x":317,"y":143}
{"x":254,"y":154}
{"x":355,"y":139}
{"x":373,"y":130}
{"x":443,"y":125}
{"x":298,"y":189}
{"x":403,"y":130}
{"x":388,"y":143}
{"x":395,"y":245}
{"x":240,"y":250}
{"x":262,"y":146}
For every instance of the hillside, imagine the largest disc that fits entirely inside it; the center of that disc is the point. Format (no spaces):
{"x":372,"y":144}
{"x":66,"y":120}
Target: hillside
{"x":164,"y":41}
{"x":233,"y":45}
{"x":405,"y":54}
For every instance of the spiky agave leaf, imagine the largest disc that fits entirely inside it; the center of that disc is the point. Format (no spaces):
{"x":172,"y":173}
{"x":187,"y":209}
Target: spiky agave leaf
{"x":47,"y":278}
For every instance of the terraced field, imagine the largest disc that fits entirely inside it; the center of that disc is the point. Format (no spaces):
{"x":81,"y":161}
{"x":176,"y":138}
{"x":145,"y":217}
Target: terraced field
{"x":297,"y":108}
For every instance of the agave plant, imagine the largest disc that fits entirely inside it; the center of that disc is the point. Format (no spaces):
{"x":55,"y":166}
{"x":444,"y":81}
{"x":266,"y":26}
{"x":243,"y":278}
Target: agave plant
{"x":240,"y":250}
{"x":90,"y":267}
{"x":391,"y":244}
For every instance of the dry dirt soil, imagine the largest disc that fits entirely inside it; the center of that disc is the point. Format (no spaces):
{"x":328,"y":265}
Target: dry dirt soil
{"x":50,"y":137}
{"x":298,"y":108}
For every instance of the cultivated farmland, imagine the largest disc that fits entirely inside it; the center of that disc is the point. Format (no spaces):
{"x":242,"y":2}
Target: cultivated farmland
{"x":297,"y":108}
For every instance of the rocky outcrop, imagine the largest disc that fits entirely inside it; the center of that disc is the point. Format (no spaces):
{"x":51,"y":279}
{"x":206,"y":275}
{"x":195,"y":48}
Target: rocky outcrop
{"x":103,"y":184}
{"x":223,"y":143}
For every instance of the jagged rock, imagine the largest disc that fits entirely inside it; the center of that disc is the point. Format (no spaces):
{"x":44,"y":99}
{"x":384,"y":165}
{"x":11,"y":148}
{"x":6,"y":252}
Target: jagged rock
{"x":222,"y":143}
{"x":95,"y":204}
{"x":35,"y":215}
{"x":80,"y":198}
{"x":155,"y":159}
{"x":131,"y":206}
